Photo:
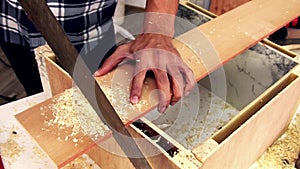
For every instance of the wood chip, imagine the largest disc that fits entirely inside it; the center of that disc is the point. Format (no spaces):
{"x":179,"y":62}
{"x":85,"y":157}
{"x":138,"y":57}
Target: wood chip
{"x":72,"y":110}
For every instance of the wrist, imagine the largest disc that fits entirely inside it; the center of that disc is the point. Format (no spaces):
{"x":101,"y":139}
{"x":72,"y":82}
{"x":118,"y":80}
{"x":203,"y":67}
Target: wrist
{"x":159,"y":23}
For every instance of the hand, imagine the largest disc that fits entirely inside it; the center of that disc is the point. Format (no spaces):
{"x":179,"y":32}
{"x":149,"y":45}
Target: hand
{"x":154,"y":52}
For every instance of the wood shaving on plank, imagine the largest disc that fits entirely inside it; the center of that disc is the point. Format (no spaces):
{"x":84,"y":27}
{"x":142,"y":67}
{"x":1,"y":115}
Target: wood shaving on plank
{"x":184,"y":159}
{"x":121,"y":103}
{"x":72,"y":110}
{"x":118,"y":95}
{"x":82,"y":162}
{"x":283,"y":153}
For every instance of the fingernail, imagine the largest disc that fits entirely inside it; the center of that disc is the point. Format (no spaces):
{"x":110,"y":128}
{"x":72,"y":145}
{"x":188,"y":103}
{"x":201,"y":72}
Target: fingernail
{"x":162,"y":109}
{"x":96,"y":73}
{"x":134,"y":99}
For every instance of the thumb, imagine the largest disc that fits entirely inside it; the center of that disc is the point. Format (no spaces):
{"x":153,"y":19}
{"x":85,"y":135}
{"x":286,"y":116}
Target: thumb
{"x":112,"y":61}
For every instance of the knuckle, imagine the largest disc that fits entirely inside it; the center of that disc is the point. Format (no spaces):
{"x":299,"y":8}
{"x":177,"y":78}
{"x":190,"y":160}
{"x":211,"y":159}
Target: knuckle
{"x":176,"y":97}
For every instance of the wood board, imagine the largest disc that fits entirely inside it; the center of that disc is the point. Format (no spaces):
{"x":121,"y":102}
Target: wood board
{"x":62,"y":145}
{"x":59,"y":79}
{"x":189,"y":50}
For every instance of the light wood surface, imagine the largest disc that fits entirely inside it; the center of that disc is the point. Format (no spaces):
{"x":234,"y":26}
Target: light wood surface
{"x":59,"y":80}
{"x":229,"y":35}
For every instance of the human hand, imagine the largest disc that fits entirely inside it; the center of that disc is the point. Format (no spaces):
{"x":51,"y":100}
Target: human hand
{"x":154,"y":52}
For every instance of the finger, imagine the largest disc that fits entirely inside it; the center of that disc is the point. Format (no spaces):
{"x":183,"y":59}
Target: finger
{"x":141,"y":68}
{"x":177,"y":85}
{"x":163,"y":85}
{"x":136,"y":86}
{"x":189,"y":79}
{"x":112,"y":61}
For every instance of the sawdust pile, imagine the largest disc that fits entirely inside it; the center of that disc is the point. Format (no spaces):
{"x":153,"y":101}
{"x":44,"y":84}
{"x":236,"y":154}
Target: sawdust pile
{"x":72,"y":110}
{"x":284,"y":152}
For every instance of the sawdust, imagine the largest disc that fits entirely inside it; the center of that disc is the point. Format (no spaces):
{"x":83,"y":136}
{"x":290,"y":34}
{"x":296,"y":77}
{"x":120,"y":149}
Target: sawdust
{"x":82,"y":162}
{"x":118,"y":97}
{"x":284,"y":152}
{"x":11,"y":150}
{"x":38,"y":153}
{"x":185,"y":159}
{"x":72,"y":111}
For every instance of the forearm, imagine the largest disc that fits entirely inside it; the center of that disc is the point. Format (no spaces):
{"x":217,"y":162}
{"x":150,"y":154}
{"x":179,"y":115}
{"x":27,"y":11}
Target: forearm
{"x":162,"y":6}
{"x":160,"y":17}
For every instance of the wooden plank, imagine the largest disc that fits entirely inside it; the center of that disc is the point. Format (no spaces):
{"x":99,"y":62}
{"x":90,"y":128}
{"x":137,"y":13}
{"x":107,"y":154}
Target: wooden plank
{"x":52,"y":139}
{"x":59,"y":80}
{"x":239,"y":29}
{"x":47,"y":137}
{"x":251,"y":139}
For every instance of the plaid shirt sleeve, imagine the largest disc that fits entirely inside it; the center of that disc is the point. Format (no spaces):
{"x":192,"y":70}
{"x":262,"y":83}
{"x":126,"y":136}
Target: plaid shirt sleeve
{"x":82,"y":20}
